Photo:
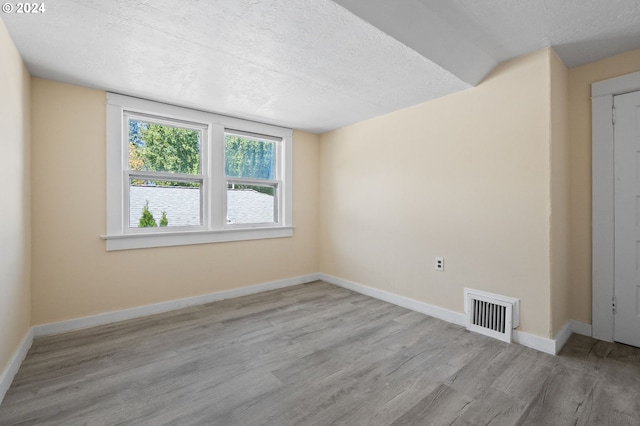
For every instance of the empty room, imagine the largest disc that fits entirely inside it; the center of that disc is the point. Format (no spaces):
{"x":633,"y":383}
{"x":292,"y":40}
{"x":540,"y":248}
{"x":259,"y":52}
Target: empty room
{"x":315,"y":212}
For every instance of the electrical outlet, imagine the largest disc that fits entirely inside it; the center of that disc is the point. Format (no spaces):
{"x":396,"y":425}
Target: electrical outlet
{"x":439,"y":263}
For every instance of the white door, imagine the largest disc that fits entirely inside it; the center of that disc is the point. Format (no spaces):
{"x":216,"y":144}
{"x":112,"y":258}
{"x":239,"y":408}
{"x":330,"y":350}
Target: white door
{"x":627,"y":218}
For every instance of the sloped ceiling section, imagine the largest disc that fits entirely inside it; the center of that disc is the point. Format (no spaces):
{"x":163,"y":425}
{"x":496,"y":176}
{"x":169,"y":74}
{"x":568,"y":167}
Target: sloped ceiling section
{"x":470,"y":37}
{"x":581,"y":31}
{"x":442,"y":35}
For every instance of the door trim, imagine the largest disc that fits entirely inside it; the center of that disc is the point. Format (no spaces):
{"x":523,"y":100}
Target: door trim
{"x":602,"y":202}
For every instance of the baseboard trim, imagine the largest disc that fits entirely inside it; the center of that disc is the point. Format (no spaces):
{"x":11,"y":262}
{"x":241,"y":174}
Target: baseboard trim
{"x":570,"y":327}
{"x":533,"y":341}
{"x":542,"y":344}
{"x":581,"y":328}
{"x":405,"y":302}
{"x":141,"y":311}
{"x":12,"y":368}
{"x":562,"y":336}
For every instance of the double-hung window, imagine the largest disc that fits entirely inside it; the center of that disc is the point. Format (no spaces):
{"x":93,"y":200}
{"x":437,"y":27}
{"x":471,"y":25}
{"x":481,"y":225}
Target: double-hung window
{"x":177,"y":176}
{"x":251,"y":174}
{"x":164,"y":174}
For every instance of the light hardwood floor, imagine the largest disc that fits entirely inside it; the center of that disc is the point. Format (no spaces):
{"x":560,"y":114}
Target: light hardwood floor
{"x":315,"y":354}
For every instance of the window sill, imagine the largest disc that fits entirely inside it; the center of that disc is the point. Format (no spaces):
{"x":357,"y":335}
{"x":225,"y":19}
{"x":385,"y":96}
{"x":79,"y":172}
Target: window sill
{"x":168,"y":239}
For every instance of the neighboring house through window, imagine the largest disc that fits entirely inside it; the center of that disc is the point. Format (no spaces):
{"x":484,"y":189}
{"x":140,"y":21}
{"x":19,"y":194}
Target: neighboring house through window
{"x":178,"y":176}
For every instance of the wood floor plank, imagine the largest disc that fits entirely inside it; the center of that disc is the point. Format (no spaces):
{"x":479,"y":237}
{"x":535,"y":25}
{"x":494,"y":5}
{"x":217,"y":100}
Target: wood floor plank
{"x":443,"y":406}
{"x":314,"y":354}
{"x":492,"y":407}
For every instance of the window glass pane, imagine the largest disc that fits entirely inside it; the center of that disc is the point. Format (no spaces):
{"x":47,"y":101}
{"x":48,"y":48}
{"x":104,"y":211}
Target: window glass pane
{"x":159,"y":203}
{"x":249,"y":158}
{"x":250,"y":204}
{"x":161,"y":148}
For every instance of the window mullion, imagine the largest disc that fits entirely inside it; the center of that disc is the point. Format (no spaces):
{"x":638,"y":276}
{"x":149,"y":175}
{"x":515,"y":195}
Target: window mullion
{"x":217,"y":188}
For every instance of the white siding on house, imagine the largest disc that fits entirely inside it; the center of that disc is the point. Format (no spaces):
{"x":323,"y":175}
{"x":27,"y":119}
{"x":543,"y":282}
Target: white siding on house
{"x":249,"y":206}
{"x":182,"y":205}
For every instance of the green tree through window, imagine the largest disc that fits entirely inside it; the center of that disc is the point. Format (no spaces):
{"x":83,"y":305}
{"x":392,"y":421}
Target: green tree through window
{"x":161,"y":148}
{"x":248,"y":158}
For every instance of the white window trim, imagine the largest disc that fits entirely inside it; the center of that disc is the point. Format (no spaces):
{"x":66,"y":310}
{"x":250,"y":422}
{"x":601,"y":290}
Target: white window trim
{"x":214,"y":229}
{"x":204,"y":164}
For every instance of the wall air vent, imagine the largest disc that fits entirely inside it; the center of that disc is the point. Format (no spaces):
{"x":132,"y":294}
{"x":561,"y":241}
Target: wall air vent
{"x":491,"y":314}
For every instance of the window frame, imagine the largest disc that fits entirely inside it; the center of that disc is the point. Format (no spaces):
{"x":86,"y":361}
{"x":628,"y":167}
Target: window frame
{"x":275,"y":182}
{"x":168,"y":176}
{"x":214,"y":228}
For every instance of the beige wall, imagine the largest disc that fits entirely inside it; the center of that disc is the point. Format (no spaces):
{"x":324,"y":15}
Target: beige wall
{"x":466,"y":177}
{"x":580,"y":80}
{"x":560,"y":208}
{"x":74,"y":276}
{"x":15,"y":211}
{"x":491,"y":178}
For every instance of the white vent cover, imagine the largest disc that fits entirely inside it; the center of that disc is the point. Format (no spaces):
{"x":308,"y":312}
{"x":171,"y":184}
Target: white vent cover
{"x":491,"y":314}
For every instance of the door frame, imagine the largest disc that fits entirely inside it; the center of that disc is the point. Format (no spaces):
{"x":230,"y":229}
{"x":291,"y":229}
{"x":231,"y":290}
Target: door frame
{"x":602,"y":200}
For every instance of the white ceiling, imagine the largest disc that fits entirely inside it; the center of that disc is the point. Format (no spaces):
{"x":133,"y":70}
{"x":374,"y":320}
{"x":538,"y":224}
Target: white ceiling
{"x":308,"y":64}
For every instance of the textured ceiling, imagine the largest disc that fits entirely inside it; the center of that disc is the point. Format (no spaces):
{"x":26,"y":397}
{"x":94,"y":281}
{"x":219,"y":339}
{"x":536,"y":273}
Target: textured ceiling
{"x":308,"y":64}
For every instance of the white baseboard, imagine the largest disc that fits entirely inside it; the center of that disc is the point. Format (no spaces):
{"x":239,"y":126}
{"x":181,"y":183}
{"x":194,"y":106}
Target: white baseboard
{"x":533,"y":341}
{"x":141,"y":311}
{"x":571,"y":326}
{"x":562,"y":336}
{"x":581,"y":328}
{"x":14,"y":364}
{"x":405,"y":302}
{"x":543,"y":344}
